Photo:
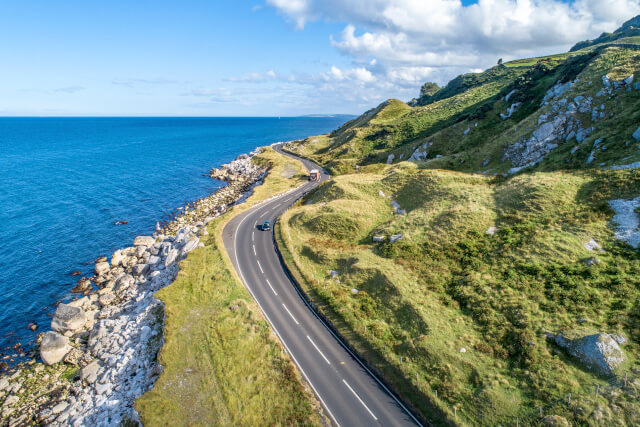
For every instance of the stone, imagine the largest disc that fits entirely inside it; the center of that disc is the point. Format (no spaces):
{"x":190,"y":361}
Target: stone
{"x":10,"y":401}
{"x":140,"y":269}
{"x":144,"y":241}
{"x":172,"y":255}
{"x":90,"y":372}
{"x":606,"y":81}
{"x":80,"y":302}
{"x":101,"y":268}
{"x":83,"y":285}
{"x":390,"y":158}
{"x":4,"y":383}
{"x":58,"y":408}
{"x":189,"y":246}
{"x":106,"y":299}
{"x":599,"y":352}
{"x":73,"y":356}
{"x":554,"y":421}
{"x":153,"y":259}
{"x":592,"y":261}
{"x":68,"y":318}
{"x":378,"y":238}
{"x":491,"y":230}
{"x":395,"y":237}
{"x":354,"y":291}
{"x":54,"y":348}
{"x":592,"y":245}
{"x":124,"y":282}
{"x":628,"y":80}
{"x":636,"y":134}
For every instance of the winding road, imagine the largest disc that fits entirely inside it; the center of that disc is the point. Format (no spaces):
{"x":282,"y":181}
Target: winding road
{"x":350,"y":393}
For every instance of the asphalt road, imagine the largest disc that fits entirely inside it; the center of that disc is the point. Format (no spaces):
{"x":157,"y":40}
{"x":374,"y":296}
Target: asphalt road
{"x":349,"y":392}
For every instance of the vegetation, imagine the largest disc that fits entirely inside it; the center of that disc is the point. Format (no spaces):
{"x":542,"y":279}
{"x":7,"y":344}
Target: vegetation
{"x":455,"y":314}
{"x":460,"y":311}
{"x":222,"y":364}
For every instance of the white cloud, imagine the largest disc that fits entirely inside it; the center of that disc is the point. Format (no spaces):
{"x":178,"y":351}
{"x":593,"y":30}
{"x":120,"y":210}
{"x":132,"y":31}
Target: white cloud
{"x":395,"y":36}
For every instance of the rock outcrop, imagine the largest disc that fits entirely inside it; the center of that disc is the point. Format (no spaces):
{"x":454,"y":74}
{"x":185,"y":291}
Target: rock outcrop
{"x":599,"y":352}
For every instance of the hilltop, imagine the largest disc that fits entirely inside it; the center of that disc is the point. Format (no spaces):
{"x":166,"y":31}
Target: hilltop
{"x":479,"y":244}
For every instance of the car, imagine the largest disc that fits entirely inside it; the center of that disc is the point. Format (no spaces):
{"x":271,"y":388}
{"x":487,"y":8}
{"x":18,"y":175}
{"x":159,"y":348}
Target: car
{"x":266,"y":226}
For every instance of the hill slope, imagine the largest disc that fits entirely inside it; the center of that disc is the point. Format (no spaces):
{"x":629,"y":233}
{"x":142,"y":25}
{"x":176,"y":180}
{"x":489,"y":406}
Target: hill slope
{"x":477,"y":274}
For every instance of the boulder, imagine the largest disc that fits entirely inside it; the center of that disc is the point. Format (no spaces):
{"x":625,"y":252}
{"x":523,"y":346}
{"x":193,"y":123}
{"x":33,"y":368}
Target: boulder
{"x":90,"y":372}
{"x":101,"y":268}
{"x":144,"y":241}
{"x":73,"y":356}
{"x":54,"y":348}
{"x":599,"y":352}
{"x":172,"y":255}
{"x":107,"y":299}
{"x":124,"y":282}
{"x":378,"y":238}
{"x":140,"y":269}
{"x":636,"y":134}
{"x":68,"y":318}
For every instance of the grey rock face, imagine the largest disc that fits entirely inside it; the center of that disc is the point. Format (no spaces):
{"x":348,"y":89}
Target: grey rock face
{"x":54,"y":347}
{"x":68,"y":318}
{"x":636,"y":134}
{"x":144,"y":241}
{"x":599,"y":352}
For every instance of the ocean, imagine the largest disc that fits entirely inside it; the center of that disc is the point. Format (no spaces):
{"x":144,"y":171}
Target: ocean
{"x":65,"y":182}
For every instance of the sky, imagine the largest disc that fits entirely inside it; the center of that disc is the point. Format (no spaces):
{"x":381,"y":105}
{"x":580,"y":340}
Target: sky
{"x":267,"y":57}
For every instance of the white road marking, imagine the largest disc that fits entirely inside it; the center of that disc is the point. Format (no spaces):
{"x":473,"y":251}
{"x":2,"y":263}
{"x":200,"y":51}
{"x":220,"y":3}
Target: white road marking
{"x":356,"y":395}
{"x":274,"y":291}
{"x":261,"y":270}
{"x":316,"y":347}
{"x":294,"y":319}
{"x":253,"y":236}
{"x":255,"y":224}
{"x":235,"y":252}
{"x":254,"y":250}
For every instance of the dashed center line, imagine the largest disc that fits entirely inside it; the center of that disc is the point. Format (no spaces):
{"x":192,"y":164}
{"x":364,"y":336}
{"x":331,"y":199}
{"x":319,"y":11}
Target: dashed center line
{"x":253,"y":236}
{"x":294,"y":319}
{"x":316,"y":347}
{"x":274,"y":291}
{"x":358,"y":397}
{"x":254,"y":250}
{"x":261,"y":270}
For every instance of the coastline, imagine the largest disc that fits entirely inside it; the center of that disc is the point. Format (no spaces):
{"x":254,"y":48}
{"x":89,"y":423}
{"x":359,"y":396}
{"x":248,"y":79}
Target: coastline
{"x":107,"y":340}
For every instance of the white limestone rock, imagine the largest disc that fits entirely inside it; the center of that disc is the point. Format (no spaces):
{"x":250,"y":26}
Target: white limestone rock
{"x":54,"y":348}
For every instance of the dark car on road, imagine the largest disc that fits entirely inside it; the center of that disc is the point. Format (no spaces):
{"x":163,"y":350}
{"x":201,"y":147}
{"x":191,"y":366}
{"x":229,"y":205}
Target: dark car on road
{"x":266,"y":226}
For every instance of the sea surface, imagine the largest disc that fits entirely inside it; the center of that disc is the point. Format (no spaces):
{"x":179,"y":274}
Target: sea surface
{"x":64,"y":182}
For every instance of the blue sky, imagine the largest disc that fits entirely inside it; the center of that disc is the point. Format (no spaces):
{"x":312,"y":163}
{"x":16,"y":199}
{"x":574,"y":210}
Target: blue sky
{"x":273,"y":57}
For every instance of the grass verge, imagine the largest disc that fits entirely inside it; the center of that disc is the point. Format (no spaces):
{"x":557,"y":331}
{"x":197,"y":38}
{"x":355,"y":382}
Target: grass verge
{"x":222,"y":363}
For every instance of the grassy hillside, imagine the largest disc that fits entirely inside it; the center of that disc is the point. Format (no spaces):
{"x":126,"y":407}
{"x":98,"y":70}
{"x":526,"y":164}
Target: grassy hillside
{"x":499,"y":184}
{"x":222,"y":364}
{"x":448,"y":285}
{"x":487,"y":122}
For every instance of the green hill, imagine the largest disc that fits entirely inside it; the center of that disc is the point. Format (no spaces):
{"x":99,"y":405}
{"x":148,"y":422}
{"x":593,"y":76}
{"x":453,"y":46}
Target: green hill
{"x":501,"y":192}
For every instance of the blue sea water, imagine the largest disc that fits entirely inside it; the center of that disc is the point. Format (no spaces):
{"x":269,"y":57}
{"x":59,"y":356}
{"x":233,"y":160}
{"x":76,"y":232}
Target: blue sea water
{"x":64,"y":182}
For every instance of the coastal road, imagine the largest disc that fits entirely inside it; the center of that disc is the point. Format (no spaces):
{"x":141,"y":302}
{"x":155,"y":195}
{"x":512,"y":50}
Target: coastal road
{"x":349,"y":392}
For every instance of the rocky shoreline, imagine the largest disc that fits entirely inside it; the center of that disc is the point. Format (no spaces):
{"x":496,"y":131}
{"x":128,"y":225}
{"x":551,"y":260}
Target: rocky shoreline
{"x":101,"y":353}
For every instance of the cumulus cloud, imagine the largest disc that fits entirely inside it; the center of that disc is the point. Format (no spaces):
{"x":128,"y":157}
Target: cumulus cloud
{"x":410,"y":39}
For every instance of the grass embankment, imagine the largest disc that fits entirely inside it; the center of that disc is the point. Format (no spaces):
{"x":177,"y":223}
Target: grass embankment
{"x":222,"y":364}
{"x":456,"y":316}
